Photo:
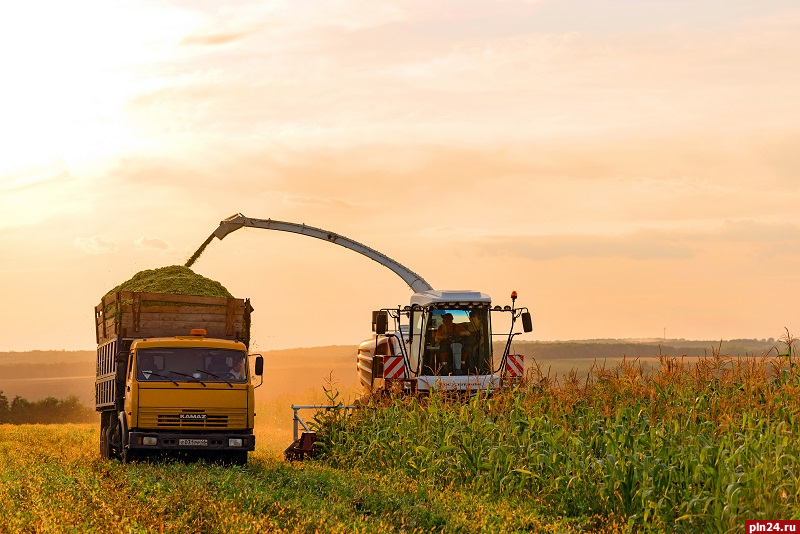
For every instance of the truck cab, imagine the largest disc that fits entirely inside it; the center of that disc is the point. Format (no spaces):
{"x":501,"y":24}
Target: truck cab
{"x":188,"y":393}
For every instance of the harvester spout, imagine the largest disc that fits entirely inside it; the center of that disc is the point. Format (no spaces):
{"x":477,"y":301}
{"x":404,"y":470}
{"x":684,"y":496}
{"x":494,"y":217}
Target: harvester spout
{"x":231,"y":224}
{"x":234,"y":222}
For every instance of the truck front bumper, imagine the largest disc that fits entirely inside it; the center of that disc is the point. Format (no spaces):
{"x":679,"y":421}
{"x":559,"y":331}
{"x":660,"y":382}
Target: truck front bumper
{"x":143,"y":440}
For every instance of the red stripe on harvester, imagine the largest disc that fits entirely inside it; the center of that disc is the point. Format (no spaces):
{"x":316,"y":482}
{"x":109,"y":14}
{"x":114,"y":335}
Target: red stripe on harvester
{"x":393,"y":367}
{"x":515,"y":364}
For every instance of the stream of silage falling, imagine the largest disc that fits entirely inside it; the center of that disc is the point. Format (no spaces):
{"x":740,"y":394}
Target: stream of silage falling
{"x":198,"y":252}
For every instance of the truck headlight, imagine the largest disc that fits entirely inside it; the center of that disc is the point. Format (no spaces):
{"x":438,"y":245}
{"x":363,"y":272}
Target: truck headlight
{"x":149,"y":440}
{"x":234,"y":442}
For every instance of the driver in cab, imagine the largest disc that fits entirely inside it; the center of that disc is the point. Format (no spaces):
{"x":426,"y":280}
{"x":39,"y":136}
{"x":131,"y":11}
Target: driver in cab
{"x":147,"y":366}
{"x":447,"y":333}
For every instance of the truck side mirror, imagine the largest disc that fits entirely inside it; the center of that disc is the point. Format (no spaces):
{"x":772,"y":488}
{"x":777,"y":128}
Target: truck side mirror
{"x":259,"y":365}
{"x":381,"y":321}
{"x":527,"y":326}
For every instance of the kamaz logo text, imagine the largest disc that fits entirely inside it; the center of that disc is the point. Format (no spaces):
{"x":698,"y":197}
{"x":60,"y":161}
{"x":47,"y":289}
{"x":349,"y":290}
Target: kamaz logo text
{"x":192,"y":416}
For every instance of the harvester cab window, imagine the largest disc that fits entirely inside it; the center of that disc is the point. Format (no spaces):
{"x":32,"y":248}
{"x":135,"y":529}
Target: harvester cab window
{"x":417,"y":345}
{"x":457,"y":342}
{"x":189,"y":364}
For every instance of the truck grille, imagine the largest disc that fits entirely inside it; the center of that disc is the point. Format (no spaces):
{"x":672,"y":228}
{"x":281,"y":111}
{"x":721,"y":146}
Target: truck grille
{"x":197,"y":419}
{"x":210,"y":421}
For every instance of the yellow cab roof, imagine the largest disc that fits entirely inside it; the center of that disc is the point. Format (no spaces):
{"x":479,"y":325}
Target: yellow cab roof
{"x":188,"y":341}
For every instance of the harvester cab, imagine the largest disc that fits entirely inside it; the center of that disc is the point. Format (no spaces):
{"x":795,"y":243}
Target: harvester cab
{"x":442,"y":340}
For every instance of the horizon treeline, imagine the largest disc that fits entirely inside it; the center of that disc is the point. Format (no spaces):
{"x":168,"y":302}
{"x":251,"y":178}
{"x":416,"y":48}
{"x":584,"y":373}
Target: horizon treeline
{"x":46,"y":411}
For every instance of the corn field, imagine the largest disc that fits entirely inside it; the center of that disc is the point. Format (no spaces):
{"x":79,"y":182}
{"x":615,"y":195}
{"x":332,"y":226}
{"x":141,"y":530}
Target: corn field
{"x":690,"y":447}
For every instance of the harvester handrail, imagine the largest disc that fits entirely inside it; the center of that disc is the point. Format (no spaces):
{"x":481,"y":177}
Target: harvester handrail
{"x":296,"y":418}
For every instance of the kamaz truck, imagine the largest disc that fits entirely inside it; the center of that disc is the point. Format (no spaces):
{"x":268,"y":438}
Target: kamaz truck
{"x":174,"y":376}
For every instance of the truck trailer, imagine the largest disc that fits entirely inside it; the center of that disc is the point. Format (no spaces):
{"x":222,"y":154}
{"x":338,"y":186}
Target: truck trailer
{"x":174,"y":376}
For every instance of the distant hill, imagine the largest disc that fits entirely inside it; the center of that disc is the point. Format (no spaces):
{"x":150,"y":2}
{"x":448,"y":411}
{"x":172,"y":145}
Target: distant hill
{"x":47,"y":357}
{"x":333,"y":354}
{"x":39,"y":374}
{"x":599,"y":349}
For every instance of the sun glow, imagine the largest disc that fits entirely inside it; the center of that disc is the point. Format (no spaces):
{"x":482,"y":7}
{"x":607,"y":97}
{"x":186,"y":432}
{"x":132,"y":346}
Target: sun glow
{"x":69,"y":70}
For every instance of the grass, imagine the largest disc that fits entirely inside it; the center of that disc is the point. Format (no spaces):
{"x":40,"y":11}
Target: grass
{"x":53,"y":480}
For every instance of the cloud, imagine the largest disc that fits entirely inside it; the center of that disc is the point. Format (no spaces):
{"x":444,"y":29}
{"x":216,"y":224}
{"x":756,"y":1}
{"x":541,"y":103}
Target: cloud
{"x":757,"y":231}
{"x":766,"y":239}
{"x":214,"y":39}
{"x":311,"y":201}
{"x":644,"y":245}
{"x":11,"y":183}
{"x":153,"y":243}
{"x":551,"y":188}
{"x":95,"y":245}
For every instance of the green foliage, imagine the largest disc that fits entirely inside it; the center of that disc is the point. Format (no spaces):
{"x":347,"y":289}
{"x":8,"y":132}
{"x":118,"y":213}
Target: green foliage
{"x":330,"y":422}
{"x":689,"y":448}
{"x":49,"y":410}
{"x":4,"y":408}
{"x":697,"y":447}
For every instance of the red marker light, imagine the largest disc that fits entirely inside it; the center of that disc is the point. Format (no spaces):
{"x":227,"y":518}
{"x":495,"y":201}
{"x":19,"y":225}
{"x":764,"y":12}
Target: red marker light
{"x":513,"y":295}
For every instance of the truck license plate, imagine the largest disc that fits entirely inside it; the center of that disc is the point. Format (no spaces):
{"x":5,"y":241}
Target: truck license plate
{"x":193,"y":442}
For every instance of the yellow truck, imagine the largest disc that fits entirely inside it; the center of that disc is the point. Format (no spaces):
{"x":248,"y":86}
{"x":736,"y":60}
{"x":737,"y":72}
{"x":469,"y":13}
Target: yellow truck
{"x":174,"y":376}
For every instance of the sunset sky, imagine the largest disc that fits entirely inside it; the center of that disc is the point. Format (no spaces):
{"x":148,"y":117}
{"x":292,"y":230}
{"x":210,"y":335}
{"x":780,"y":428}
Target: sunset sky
{"x":630,"y":168}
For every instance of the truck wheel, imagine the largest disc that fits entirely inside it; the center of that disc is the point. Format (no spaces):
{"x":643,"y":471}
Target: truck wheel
{"x":114,"y":442}
{"x":105,"y":449}
{"x":104,"y":427}
{"x":125,"y":454}
{"x":128,"y":456}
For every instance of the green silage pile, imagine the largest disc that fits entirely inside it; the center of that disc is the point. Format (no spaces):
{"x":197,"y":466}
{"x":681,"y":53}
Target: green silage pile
{"x":175,"y":279}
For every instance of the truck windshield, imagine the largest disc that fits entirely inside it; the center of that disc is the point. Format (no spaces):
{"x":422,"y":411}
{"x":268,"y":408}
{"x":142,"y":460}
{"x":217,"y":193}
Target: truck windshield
{"x":457,"y":342}
{"x":190,"y":364}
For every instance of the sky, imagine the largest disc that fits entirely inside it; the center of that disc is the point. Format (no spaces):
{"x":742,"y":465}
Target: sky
{"x":626,"y":166}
